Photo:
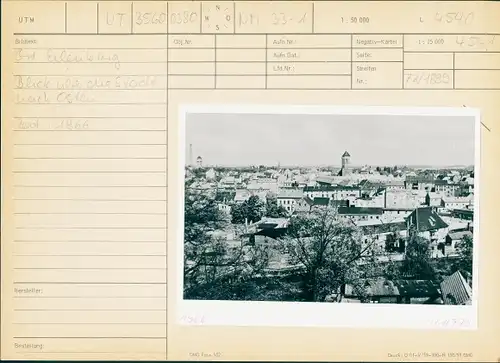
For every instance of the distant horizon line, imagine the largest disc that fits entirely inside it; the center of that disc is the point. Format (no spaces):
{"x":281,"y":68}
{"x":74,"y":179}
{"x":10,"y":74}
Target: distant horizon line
{"x":418,"y":166}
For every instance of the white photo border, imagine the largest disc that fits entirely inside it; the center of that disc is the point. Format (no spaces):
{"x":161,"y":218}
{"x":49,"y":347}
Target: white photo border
{"x":311,"y":314}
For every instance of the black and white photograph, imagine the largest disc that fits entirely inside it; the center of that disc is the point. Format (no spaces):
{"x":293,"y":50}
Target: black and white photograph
{"x":333,"y":208}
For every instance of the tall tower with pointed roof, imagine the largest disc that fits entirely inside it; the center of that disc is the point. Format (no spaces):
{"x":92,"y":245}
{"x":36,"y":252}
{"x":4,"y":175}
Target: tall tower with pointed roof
{"x":346,"y":161}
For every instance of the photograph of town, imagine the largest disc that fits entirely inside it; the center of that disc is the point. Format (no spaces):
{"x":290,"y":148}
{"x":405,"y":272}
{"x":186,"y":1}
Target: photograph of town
{"x":330,"y":208}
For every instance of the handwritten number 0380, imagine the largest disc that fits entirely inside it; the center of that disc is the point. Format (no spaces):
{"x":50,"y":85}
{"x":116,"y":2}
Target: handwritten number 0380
{"x":183,"y":17}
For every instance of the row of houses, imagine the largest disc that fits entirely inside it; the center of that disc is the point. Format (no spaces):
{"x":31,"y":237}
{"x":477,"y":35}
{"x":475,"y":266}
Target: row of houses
{"x":389,"y":236}
{"x":376,"y":198}
{"x":455,"y":289}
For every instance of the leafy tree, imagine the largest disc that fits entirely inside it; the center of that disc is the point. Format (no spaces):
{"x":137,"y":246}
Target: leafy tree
{"x":417,"y":262}
{"x":392,"y":270}
{"x":238,"y":213}
{"x":251,"y":210}
{"x":273,"y":210}
{"x":465,"y":248}
{"x":201,"y":217}
{"x":198,"y":173}
{"x":224,"y":195}
{"x":214,"y":269}
{"x":332,"y":253}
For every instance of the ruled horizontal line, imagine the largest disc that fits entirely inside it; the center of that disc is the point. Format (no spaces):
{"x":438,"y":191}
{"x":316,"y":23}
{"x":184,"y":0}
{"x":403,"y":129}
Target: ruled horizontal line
{"x":269,"y":34}
{"x":90,"y":309}
{"x":95,"y":351}
{"x":257,"y":1}
{"x":87,"y":158}
{"x":92,"y":75}
{"x":90,"y":48}
{"x":86,"y":283}
{"x":247,"y":75}
{"x":91,"y":200}
{"x":91,"y":213}
{"x":89,"y":268}
{"x":91,"y":103}
{"x":90,"y":297}
{"x":262,"y":47}
{"x":74,"y":144}
{"x":91,"y":89}
{"x":94,"y":62}
{"x":295,"y":89}
{"x":87,"y":172}
{"x":75,"y":337}
{"x":85,"y":186}
{"x":85,"y":241}
{"x":91,"y":117}
{"x":295,"y":62}
{"x":236,"y":48}
{"x":100,"y":255}
{"x":481,"y":51}
{"x":100,"y":228}
{"x":87,"y":323}
{"x":94,"y":130}
{"x":263,"y":74}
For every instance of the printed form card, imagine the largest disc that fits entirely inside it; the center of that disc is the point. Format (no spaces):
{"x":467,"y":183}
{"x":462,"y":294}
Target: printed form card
{"x":250,"y":180}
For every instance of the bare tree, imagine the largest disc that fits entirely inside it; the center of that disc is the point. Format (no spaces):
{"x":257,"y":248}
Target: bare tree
{"x":215,"y":267}
{"x":333,"y":253}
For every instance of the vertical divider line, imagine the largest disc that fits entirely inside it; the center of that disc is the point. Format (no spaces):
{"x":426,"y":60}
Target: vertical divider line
{"x":312,"y":21}
{"x":215,"y":61}
{"x":66,"y":18}
{"x":453,"y":80}
{"x":166,"y":171}
{"x":234,"y":16}
{"x":131,"y":17}
{"x":201,"y":17}
{"x":352,"y":66}
{"x":97,"y":22}
{"x":403,"y":63}
{"x":265,"y":63}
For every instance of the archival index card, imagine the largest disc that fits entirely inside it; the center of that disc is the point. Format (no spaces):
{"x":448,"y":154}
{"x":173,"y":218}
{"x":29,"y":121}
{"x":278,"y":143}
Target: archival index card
{"x":96,"y":95}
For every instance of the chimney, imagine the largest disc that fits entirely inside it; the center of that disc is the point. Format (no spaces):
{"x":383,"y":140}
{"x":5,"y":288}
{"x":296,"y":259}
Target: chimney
{"x":385,"y":198}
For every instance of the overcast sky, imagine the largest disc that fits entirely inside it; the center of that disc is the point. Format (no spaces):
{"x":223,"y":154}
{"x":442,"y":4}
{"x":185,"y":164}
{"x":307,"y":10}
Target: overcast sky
{"x":254,"y":139}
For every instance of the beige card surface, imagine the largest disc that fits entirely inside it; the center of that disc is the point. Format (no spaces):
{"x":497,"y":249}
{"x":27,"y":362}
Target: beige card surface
{"x":238,"y":180}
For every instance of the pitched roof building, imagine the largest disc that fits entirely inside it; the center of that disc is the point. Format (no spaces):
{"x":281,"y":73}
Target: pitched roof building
{"x":425,"y":219}
{"x":395,"y":291}
{"x":455,"y":290}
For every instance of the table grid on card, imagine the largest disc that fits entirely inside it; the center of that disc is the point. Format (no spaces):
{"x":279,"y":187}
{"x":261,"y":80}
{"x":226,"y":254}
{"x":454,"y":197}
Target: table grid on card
{"x":91,"y":84}
{"x":227,"y":45}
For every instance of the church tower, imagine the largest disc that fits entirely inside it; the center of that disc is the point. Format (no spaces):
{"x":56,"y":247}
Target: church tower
{"x":346,"y":161}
